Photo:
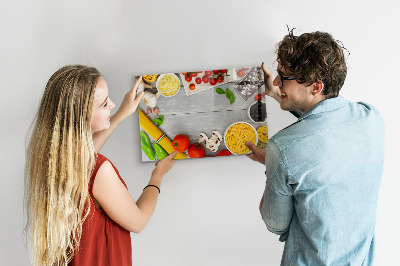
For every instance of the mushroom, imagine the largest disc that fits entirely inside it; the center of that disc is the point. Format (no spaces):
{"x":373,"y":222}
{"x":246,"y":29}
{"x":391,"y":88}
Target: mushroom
{"x":211,"y":143}
{"x":142,"y":86}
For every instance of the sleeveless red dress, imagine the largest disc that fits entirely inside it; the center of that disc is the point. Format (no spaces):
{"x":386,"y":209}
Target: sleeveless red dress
{"x":103,"y":241}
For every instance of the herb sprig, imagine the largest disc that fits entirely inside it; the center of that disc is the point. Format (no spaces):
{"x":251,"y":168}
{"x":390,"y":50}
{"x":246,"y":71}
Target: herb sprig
{"x":228,"y":93}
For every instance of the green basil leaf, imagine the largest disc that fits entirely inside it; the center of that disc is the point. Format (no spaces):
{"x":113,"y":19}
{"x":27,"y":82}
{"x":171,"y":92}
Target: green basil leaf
{"x":230,"y":95}
{"x":232,"y":99}
{"x":159,"y":121}
{"x":220,"y":91}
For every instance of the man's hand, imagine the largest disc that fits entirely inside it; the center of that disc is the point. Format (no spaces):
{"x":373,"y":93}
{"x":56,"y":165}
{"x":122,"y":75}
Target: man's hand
{"x":258,"y":154}
{"x":270,"y":89}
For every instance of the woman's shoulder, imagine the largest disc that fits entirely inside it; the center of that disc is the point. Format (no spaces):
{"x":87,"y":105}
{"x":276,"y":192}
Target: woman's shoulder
{"x":102,"y":165}
{"x":106,"y":168}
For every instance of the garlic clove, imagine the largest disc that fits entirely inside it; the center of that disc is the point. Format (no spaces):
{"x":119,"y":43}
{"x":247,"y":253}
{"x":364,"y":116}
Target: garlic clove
{"x":149,"y":99}
{"x":140,"y":87}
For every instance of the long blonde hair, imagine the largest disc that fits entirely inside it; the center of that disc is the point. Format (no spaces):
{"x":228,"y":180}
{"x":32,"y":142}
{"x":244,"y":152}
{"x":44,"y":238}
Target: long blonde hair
{"x":59,"y":162}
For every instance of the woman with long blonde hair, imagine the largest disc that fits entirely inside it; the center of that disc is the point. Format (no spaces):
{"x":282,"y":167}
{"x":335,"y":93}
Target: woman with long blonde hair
{"x":79,"y":211}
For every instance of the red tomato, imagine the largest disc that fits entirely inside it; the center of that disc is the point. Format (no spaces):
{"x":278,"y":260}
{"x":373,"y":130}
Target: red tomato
{"x":181,"y":143}
{"x":224,"y":153}
{"x":213,"y":81}
{"x":223,"y":71}
{"x":246,"y":68}
{"x":192,"y":86}
{"x":193,"y":74}
{"x":208,"y":73}
{"x":258,"y":97}
{"x":216,"y":72}
{"x":206,"y":79}
{"x":196,"y":150}
{"x":220,"y":78}
{"x":184,"y":73}
{"x":188,"y":78}
{"x":240,"y":73}
{"x":198,"y":80}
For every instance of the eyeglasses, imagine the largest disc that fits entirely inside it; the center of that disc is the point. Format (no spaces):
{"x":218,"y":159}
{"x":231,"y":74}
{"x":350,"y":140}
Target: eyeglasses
{"x":282,"y":78}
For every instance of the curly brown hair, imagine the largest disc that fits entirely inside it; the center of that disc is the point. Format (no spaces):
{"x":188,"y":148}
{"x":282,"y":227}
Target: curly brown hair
{"x":314,"y":57}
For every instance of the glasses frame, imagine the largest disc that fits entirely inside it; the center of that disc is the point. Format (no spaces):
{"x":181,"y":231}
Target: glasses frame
{"x":282,"y":78}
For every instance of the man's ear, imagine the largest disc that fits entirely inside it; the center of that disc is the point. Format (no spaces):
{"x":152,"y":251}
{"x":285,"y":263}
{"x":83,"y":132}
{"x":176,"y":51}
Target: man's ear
{"x":317,"y":88}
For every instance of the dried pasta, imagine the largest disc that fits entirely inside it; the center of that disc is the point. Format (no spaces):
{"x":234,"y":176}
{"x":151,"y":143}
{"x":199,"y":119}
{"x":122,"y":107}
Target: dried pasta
{"x":263,"y":133}
{"x":150,"y":78}
{"x":236,"y":137}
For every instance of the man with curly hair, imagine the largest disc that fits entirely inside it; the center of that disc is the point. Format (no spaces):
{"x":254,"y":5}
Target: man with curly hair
{"x":323,"y":171}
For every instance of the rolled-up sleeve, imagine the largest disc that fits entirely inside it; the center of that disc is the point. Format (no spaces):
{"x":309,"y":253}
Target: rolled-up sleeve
{"x":277,"y":209}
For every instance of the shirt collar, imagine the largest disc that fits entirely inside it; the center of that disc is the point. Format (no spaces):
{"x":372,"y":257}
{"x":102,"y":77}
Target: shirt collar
{"x":325,"y":106}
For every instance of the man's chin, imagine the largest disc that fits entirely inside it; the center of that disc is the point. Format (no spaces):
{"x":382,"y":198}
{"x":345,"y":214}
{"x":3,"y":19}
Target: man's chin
{"x":285,"y":108}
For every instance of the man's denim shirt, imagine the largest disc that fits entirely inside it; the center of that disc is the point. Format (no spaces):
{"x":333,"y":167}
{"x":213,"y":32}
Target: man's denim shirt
{"x":323,"y":176}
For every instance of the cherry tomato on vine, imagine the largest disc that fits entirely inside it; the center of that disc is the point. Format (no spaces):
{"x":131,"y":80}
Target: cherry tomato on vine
{"x":213,"y":81}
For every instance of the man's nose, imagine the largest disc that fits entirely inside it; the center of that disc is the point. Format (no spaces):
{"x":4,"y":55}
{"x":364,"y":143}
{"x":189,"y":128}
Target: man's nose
{"x":277,"y":81}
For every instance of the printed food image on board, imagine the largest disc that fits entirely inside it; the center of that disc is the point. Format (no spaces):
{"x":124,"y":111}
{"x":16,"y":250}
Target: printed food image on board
{"x":207,"y":113}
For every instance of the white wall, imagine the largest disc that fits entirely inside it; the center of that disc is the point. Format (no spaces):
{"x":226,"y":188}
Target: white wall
{"x":208,"y":209}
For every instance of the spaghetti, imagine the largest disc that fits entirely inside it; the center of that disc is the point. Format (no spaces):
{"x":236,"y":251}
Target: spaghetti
{"x":158,"y":135}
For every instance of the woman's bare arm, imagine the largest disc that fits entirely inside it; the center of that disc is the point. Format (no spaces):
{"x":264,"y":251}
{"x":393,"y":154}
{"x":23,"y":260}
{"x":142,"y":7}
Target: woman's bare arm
{"x":128,"y":107}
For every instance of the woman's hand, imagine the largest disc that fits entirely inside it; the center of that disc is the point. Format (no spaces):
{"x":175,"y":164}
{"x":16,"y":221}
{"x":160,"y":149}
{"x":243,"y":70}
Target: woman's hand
{"x":270,"y":89}
{"x":163,"y":166}
{"x":131,"y":101}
